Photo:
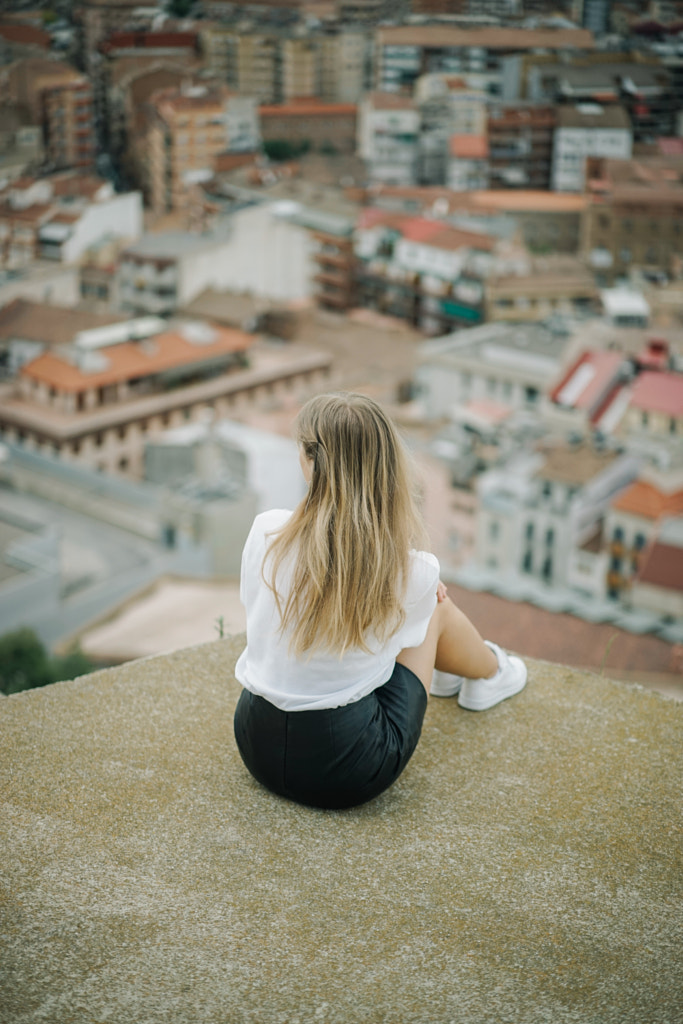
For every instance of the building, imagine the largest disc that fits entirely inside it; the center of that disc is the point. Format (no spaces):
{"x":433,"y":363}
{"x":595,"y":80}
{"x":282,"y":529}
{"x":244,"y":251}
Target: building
{"x":521,"y":145}
{"x":61,"y":216}
{"x":345,"y":60}
{"x":325,"y":127}
{"x":21,"y":144}
{"x":421,"y":270}
{"x":448,"y":107}
{"x":69,"y":122}
{"x":538,"y":515}
{"x":634,"y":216}
{"x":97,"y":19}
{"x":335,"y":274}
{"x":564,"y":287}
{"x":98,"y":399}
{"x":186,"y":129}
{"x":657,"y":587}
{"x":254,"y":65}
{"x":633,"y":524}
{"x":468,"y":163}
{"x":404,"y":52}
{"x":500,"y":363}
{"x":388,"y":138}
{"x":27,"y":80}
{"x":587,"y":130}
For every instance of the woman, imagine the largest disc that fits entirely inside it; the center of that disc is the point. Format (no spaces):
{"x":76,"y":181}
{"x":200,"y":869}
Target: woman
{"x":346,"y":620}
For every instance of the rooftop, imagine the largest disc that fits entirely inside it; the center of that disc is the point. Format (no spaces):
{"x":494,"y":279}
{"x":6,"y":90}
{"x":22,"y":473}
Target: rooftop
{"x":525,"y":867}
{"x":469,"y":147}
{"x":52,"y":325}
{"x":573,"y":465}
{"x":495,"y":38}
{"x":592,"y":115}
{"x":187,"y":344}
{"x":660,"y":392}
{"x":644,"y":499}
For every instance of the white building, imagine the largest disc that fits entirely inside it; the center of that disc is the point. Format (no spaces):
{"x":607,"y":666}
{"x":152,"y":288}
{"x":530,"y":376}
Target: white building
{"x":261,"y":249}
{"x":67,"y":236}
{"x":587,"y":130}
{"x":539,"y":513}
{"x":512,"y":365}
{"x":388,"y":137}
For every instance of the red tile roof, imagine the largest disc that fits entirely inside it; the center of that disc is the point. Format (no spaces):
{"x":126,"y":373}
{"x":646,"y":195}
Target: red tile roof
{"x":645,"y":500}
{"x":663,"y":567}
{"x":659,"y":392}
{"x":419,"y":229}
{"x":135,"y":359}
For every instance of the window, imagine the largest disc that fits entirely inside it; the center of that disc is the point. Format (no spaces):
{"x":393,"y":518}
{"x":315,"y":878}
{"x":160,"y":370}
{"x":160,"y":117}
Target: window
{"x":531,"y":395}
{"x":549,"y":536}
{"x":527,"y":564}
{"x":618,"y":535}
{"x":529,"y":531}
{"x":494,"y":530}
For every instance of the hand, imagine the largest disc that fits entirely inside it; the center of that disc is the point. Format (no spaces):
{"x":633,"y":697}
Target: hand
{"x":441,"y":592}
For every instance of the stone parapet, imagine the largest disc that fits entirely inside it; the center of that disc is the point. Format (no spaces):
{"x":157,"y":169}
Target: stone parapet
{"x":526,"y":868}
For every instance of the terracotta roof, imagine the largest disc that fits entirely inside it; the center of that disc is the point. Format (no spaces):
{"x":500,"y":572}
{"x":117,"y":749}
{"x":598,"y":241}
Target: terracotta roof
{"x":470,"y":147}
{"x":663,"y":567}
{"x":53,"y":325}
{"x":135,"y":359}
{"x":494,"y":200}
{"x":310,"y":109}
{"x":419,"y":229}
{"x":453,"y":238}
{"x":25,"y":35}
{"x":645,"y":500}
{"x":659,"y":392}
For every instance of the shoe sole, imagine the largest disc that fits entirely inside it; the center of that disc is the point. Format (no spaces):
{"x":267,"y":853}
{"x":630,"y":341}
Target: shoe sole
{"x":501,"y":693}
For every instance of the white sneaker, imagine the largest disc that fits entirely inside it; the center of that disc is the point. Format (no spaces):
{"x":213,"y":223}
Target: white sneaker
{"x":445,"y":685}
{"x":480,"y":694}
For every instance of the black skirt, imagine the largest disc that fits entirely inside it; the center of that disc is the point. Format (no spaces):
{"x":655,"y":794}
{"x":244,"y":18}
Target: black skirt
{"x":333,"y":757}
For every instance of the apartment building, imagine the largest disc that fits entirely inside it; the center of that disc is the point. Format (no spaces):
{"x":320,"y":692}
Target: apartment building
{"x":388,"y":137}
{"x":634,"y":216}
{"x":97,"y":19}
{"x":405,"y":52}
{"x":186,"y":129}
{"x":521,"y":145}
{"x":98,"y":399}
{"x":421,"y":270}
{"x":345,"y":61}
{"x":69,"y":122}
{"x":539,"y":515}
{"x":254,"y":65}
{"x":587,"y":130}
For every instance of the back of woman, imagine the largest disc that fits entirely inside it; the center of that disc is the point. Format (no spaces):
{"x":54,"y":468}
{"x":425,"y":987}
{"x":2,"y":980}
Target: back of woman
{"x":336,"y":591}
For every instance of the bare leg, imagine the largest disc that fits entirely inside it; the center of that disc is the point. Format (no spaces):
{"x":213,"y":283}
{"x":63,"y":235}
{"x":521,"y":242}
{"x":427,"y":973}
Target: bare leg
{"x":452,"y":645}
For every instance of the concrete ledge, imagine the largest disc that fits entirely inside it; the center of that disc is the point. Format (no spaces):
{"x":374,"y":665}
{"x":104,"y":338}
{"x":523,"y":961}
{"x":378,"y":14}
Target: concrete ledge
{"x":526,"y":868}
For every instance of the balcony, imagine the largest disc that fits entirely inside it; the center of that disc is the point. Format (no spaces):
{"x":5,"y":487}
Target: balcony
{"x":526,"y":867}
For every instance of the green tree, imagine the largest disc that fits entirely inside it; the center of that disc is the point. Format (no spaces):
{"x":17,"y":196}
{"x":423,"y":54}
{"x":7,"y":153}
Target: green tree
{"x":25,"y":664}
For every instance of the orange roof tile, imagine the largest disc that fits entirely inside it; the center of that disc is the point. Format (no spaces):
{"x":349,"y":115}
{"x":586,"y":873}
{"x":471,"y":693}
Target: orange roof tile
{"x":135,"y":359}
{"x":647,"y":501}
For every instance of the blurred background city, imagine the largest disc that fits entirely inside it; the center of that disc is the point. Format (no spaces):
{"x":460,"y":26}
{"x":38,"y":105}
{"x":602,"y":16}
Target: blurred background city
{"x":211,"y":211}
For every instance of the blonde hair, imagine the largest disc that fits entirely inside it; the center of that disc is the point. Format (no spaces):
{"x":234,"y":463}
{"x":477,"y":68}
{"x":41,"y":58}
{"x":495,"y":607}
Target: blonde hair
{"x":348,"y":542}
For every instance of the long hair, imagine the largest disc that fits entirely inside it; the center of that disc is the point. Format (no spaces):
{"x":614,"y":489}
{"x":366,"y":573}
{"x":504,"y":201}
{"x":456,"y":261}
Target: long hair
{"x":348,"y":541}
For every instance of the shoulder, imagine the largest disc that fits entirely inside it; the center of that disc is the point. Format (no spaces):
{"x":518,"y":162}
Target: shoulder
{"x":424,"y":571}
{"x":273,"y":519}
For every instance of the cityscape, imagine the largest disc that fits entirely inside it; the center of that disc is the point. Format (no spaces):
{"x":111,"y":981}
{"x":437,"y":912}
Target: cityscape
{"x":472,"y":212}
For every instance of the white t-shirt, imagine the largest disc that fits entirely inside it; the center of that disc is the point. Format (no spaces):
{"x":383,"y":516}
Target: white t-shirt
{"x":321,"y":680}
